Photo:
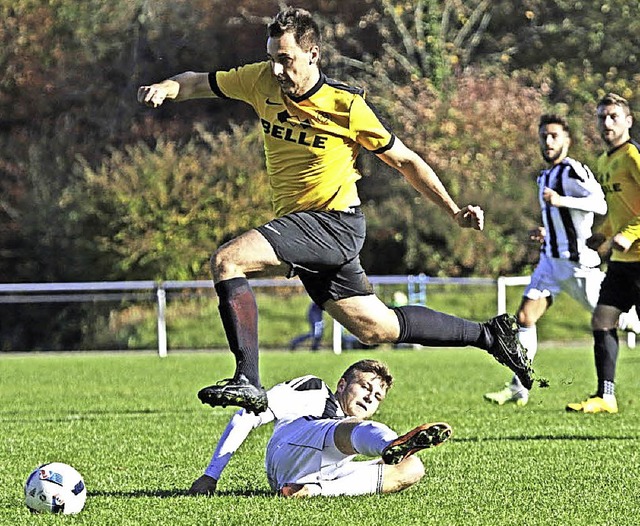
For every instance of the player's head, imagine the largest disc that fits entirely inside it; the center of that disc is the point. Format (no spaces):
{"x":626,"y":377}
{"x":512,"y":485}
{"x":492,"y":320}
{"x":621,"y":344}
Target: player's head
{"x":293,"y":48}
{"x":362,"y":387}
{"x":614,"y":119}
{"x":554,"y":137}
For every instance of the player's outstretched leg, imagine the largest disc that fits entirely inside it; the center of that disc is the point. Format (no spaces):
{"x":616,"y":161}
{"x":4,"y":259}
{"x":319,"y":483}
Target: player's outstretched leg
{"x":498,"y":336}
{"x":507,"y":348}
{"x":421,"y":437}
{"x":235,"y":391}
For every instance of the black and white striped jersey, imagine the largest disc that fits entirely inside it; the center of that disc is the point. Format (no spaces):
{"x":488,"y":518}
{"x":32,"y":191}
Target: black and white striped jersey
{"x":569,"y":226}
{"x":306,"y":396}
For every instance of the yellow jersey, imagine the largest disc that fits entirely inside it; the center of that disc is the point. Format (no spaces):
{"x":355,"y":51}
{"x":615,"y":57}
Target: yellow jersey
{"x":311,"y":142}
{"x":618,"y":172}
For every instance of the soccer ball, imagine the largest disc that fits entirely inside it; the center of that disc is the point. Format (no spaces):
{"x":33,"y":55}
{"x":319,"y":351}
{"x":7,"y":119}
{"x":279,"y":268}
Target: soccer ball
{"x":55,"y":488}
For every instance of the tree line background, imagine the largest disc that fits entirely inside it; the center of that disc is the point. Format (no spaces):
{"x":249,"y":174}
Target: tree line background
{"x":94,"y":186}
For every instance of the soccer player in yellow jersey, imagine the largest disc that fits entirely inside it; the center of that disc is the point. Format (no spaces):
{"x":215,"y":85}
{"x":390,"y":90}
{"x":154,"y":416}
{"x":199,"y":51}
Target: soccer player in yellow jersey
{"x":313,"y":129}
{"x":618,"y":171}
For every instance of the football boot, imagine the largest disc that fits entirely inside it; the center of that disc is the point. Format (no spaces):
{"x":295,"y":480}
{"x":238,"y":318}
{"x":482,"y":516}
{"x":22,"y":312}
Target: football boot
{"x":236,"y":391}
{"x":507,"y":348}
{"x":422,"y":437}
{"x":595,"y":404}
{"x":510,"y":393}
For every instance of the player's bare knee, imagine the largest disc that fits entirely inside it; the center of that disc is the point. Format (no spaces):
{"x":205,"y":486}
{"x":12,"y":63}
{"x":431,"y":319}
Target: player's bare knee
{"x":365,"y":336}
{"x":604,"y":318}
{"x":399,"y":477}
{"x":522,"y":319}
{"x":374,"y":335}
{"x":413,"y":470}
{"x":377,"y":331}
{"x":221,"y":264}
{"x":599,"y":324}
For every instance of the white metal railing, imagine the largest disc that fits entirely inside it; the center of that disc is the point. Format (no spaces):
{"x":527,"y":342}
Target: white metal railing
{"x":116,"y":291}
{"x":132,"y":290}
{"x":417,"y":293}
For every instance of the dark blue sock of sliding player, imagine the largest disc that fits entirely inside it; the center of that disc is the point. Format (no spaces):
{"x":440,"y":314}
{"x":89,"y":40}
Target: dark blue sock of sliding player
{"x":239,"y":314}
{"x":436,"y":329}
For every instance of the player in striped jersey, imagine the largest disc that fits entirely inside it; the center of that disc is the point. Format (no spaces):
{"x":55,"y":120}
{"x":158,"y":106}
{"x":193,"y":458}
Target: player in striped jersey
{"x":569,"y":196}
{"x":317,"y":433}
{"x":313,"y":129}
{"x":618,"y":171}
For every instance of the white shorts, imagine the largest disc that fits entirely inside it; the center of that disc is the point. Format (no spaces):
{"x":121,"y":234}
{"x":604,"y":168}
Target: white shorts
{"x":552,"y":276}
{"x":302,"y":451}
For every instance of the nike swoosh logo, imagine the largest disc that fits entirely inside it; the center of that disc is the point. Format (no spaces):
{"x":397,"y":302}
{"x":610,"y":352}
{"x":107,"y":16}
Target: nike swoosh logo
{"x":271,"y":103}
{"x":272,"y":229}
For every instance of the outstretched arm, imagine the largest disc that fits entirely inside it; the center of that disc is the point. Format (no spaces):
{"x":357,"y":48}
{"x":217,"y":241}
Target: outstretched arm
{"x":422,"y":177}
{"x":236,"y":432}
{"x":185,"y":86}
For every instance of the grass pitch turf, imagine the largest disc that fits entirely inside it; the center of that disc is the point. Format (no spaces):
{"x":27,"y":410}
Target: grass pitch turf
{"x":132,"y":425}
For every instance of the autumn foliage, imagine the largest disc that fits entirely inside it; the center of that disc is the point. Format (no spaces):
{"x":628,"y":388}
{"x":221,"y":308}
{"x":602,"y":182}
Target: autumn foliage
{"x":94,"y":186}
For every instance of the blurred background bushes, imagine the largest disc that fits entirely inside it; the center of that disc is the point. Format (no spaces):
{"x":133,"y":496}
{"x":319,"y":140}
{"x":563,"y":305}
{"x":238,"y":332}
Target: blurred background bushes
{"x":94,"y":186}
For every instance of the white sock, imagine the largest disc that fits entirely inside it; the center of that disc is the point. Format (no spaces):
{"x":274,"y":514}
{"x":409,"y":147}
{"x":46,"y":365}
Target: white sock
{"x":528,"y":337}
{"x":366,"y":480}
{"x":370,"y":438}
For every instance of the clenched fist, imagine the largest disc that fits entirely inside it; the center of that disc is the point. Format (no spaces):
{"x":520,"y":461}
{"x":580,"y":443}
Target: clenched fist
{"x":155,"y":94}
{"x":470,"y":217}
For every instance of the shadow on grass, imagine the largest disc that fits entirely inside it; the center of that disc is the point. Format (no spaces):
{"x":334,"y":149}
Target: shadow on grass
{"x":28,"y":416}
{"x":171,"y":493}
{"x":529,"y":438}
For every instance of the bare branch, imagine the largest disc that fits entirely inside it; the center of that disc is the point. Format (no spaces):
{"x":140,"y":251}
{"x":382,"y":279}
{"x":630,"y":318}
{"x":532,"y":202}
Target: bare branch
{"x":476,"y":38}
{"x":421,"y":37}
{"x":444,"y":22}
{"x":478,"y":13}
{"x":401,"y":59}
{"x":404,"y":33}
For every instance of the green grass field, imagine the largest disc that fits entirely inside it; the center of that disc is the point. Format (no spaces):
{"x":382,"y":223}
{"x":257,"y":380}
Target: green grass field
{"x":132,"y":425}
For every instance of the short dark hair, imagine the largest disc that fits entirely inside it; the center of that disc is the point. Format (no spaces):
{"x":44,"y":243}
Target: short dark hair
{"x":380,"y":369}
{"x":554,"y":118}
{"x":298,"y":21}
{"x":613,"y":99}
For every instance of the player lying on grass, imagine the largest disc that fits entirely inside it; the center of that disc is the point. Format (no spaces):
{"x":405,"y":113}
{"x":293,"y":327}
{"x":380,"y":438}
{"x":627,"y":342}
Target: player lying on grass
{"x":317,"y":434}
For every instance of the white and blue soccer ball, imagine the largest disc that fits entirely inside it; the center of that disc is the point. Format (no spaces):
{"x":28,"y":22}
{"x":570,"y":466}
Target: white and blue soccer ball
{"x":55,"y":488}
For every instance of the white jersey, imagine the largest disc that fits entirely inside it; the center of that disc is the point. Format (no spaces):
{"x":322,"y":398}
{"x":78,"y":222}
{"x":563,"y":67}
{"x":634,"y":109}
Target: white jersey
{"x":569,"y":226}
{"x":303,"y":396}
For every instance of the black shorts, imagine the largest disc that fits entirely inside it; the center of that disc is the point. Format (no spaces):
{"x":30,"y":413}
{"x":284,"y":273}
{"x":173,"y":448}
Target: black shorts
{"x":621,"y":286}
{"x":323,"y":249}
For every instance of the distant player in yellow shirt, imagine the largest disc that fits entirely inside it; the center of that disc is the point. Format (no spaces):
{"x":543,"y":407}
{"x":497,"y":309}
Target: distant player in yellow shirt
{"x":313,"y":130}
{"x":618,"y":171}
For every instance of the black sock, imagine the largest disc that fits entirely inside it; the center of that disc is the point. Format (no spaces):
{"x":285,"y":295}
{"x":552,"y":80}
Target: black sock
{"x":605,"y":351}
{"x":436,"y":329}
{"x":239,"y":314}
